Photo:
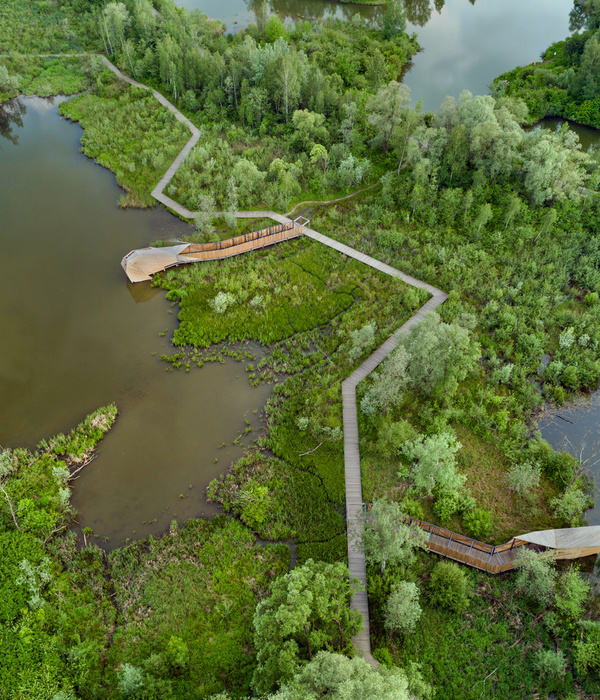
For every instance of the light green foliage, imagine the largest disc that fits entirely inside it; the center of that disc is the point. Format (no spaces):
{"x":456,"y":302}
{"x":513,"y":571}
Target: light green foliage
{"x":389,"y":383}
{"x":550,"y":664}
{"x":222,"y":302}
{"x":478,"y":523}
{"x":442,"y":355}
{"x":362,"y":339}
{"x":449,"y":586}
{"x":433,"y":463}
{"x":571,"y":504}
{"x":386,"y":110}
{"x":384,"y":537}
{"x":336,"y":677}
{"x":307,"y":610}
{"x":131,"y":680}
{"x":113,"y":125}
{"x":587,"y":648}
{"x":8,"y":83}
{"x":536,"y":576}
{"x":34,"y":578}
{"x":572,"y":592}
{"x":524,"y":478}
{"x":402,"y":610}
{"x":204,"y":218}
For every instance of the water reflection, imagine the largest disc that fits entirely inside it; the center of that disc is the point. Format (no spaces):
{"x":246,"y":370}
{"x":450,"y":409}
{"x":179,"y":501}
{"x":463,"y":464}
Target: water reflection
{"x":11,"y":114}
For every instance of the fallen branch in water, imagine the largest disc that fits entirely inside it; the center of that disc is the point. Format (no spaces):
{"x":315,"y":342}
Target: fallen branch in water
{"x":72,"y":476}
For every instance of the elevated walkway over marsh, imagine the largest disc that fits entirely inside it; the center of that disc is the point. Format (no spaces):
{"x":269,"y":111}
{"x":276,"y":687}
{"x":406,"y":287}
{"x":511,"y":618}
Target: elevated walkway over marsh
{"x":560,"y":544}
{"x":141,"y":264}
{"x":568,"y":543}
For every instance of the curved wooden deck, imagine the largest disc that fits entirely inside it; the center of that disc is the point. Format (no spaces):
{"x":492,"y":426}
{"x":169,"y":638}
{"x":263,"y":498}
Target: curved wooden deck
{"x":141,"y":264}
{"x":441,"y":541}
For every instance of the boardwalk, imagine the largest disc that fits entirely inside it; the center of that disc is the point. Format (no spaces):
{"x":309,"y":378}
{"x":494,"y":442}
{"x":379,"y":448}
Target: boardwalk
{"x":557,"y":543}
{"x":567,"y":543}
{"x":141,"y":264}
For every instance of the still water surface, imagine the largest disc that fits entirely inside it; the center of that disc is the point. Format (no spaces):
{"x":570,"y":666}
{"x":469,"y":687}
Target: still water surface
{"x":75,"y":337}
{"x":465,"y":43}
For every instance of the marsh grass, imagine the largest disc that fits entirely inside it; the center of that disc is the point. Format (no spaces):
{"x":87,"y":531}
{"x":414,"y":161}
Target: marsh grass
{"x":129,"y":132}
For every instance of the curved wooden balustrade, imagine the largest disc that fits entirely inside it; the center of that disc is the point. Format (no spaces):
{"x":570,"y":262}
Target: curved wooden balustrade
{"x":141,"y":264}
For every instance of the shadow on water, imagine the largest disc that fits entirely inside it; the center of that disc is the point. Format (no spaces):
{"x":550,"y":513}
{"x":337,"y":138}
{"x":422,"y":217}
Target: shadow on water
{"x":11,"y":115}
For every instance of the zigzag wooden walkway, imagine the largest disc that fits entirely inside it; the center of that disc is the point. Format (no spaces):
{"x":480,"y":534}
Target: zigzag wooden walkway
{"x":567,"y":544}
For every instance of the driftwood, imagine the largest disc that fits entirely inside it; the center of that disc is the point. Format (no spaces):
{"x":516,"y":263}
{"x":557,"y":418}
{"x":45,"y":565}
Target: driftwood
{"x":79,"y":468}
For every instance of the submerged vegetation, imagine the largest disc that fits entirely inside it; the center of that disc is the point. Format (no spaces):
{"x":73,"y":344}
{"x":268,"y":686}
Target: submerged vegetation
{"x":503,"y":219}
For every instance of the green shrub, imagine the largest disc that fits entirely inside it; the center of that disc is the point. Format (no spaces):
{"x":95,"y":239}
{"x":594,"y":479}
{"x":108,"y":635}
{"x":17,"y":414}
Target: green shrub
{"x":449,"y":586}
{"x":478,"y":523}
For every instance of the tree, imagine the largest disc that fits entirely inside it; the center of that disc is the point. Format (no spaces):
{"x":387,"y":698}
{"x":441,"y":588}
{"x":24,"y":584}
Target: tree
{"x":572,"y":591}
{"x":442,"y":354}
{"x":434,"y":463}
{"x":389,"y":384}
{"x":386,"y":111}
{"x":513,"y":207}
{"x":205,"y":215}
{"x":536,"y":577}
{"x":336,"y":677}
{"x":170,"y":61}
{"x":383,"y":535}
{"x":249,"y":180}
{"x":309,"y":129}
{"x":232,"y":204}
{"x":402,"y":610}
{"x":394,"y":21}
{"x":320,"y":157}
{"x":114,"y":22}
{"x":308,"y":610}
{"x":289,"y":79}
{"x":524,"y":478}
{"x":484,"y":215}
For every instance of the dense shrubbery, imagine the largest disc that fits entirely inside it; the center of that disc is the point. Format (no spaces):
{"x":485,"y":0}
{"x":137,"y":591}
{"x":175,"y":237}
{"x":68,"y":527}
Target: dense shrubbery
{"x":567,"y":82}
{"x":128,"y":131}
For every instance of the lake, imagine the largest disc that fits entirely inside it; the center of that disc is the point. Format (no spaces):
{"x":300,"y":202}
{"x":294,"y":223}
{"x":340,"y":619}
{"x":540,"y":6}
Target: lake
{"x":77,"y":336}
{"x":465,"y":43}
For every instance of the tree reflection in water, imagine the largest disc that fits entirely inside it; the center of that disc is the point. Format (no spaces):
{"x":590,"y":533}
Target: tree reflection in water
{"x":11,"y":114}
{"x":418,"y":12}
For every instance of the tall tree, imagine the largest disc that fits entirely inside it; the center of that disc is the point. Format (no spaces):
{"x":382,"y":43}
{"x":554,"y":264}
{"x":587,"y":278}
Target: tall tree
{"x":383,"y":535}
{"x":308,"y":610}
{"x":386,"y":110}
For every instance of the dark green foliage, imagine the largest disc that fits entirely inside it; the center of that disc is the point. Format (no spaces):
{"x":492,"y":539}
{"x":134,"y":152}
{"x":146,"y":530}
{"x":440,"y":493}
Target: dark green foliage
{"x":199,"y":586}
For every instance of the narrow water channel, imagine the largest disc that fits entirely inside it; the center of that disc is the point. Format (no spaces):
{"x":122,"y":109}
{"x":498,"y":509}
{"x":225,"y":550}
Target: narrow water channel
{"x":76,"y":336}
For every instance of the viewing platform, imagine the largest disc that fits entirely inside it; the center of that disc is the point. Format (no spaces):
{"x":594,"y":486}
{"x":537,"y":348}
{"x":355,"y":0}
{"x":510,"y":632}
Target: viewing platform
{"x":141,"y":264}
